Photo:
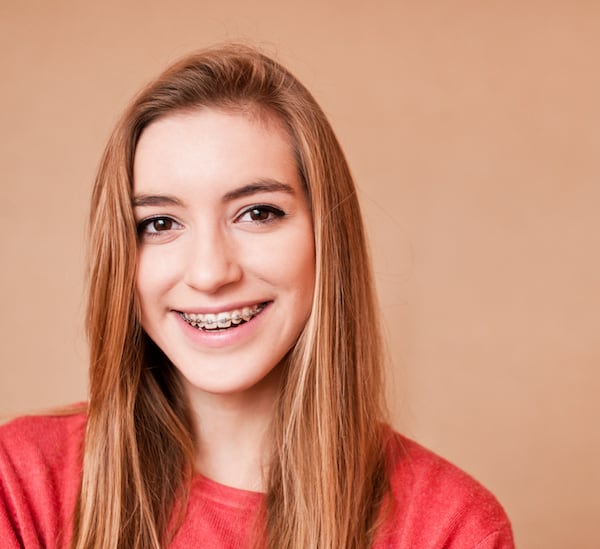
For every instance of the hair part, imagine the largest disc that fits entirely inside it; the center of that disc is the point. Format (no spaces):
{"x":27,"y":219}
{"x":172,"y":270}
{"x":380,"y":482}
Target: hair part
{"x":139,"y":448}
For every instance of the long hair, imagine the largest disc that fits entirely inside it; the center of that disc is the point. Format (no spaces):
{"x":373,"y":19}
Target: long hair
{"x":327,"y":474}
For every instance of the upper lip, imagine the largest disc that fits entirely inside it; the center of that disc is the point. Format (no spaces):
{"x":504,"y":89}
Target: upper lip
{"x":220,"y":308}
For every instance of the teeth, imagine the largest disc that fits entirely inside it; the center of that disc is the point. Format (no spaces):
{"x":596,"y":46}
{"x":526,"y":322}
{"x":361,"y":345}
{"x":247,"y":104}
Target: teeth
{"x":211,"y":321}
{"x":236,"y":317}
{"x":246,"y":313}
{"x":223,"y":320}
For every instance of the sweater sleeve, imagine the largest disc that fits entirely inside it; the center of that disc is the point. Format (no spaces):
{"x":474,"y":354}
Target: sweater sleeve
{"x":17,"y":528}
{"x":39,"y":478}
{"x":501,"y":539}
{"x":434,"y":504}
{"x":8,"y":533}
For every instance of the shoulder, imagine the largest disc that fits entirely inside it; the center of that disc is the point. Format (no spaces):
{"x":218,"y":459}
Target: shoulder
{"x":45,"y":432}
{"x":40,"y":471}
{"x":435,"y":504}
{"x":49,"y":441}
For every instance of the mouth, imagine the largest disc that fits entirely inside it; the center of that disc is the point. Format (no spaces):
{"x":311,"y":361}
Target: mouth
{"x":224,"y":320}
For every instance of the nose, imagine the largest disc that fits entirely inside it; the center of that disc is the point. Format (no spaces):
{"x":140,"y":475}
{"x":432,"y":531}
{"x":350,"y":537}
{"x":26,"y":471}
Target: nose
{"x":213,"y":262}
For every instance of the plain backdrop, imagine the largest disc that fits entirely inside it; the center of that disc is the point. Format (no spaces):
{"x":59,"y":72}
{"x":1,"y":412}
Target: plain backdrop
{"x":473,"y":131}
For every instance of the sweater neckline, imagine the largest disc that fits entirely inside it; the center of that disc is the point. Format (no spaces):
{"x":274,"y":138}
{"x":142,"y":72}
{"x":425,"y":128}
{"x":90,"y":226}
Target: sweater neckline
{"x":208,"y":489}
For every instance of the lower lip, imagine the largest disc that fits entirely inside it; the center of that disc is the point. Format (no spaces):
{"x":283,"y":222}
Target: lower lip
{"x":220,"y":338}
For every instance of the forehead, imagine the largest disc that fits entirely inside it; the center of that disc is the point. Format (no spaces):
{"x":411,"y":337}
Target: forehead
{"x":206,"y":124}
{"x":213,"y":144}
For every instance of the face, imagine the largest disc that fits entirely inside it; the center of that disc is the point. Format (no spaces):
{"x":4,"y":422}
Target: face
{"x":226,"y":251}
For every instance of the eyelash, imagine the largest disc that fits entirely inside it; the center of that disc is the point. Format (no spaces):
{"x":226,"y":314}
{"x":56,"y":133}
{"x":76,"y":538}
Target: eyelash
{"x":144,"y":224}
{"x":272,"y":212}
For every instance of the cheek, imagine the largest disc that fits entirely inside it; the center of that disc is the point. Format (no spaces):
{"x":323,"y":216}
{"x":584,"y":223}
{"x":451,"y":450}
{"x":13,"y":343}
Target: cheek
{"x":304,"y":251}
{"x":154,"y":276}
{"x":292,"y":264}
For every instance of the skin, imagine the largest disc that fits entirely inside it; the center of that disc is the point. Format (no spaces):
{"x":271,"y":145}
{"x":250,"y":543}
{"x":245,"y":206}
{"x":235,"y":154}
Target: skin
{"x":224,"y":222}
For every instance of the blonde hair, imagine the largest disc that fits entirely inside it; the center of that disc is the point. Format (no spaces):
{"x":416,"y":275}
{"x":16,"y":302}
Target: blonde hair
{"x":327,"y":477}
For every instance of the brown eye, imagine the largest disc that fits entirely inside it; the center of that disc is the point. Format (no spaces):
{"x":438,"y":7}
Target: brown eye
{"x":155,"y":225}
{"x":259,"y":214}
{"x":162,"y":224}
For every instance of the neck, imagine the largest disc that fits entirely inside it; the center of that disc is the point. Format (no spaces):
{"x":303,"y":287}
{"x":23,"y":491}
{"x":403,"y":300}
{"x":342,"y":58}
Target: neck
{"x":232,"y":434}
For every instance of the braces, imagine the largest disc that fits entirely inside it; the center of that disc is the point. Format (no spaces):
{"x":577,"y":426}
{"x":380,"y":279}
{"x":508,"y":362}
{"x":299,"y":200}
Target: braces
{"x":212,"y":321}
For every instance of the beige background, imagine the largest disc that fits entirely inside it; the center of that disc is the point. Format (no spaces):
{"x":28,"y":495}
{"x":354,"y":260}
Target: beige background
{"x":473,"y":129}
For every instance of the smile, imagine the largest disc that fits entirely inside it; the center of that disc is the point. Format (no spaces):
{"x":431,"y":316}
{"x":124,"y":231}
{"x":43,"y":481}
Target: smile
{"x":224,"y":319}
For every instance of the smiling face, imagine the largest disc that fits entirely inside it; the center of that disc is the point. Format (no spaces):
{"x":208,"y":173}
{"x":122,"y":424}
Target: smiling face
{"x":226,"y":260}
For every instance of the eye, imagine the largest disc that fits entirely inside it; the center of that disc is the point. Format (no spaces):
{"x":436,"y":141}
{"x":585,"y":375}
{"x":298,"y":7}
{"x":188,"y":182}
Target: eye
{"x":156,"y":225}
{"x":260,"y":214}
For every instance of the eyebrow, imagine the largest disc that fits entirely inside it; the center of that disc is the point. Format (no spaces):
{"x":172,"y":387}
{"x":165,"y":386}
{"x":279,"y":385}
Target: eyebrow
{"x":155,"y":200}
{"x":260,"y":186}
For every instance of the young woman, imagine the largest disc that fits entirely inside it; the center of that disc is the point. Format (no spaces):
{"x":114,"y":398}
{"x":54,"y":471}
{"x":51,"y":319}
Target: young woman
{"x":235,"y":362}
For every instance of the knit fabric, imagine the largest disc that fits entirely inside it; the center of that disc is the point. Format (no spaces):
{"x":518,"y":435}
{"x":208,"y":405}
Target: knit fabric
{"x":434,"y":504}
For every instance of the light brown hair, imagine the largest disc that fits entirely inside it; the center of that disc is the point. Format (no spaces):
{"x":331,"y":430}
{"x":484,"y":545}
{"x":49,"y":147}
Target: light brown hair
{"x":327,"y":475}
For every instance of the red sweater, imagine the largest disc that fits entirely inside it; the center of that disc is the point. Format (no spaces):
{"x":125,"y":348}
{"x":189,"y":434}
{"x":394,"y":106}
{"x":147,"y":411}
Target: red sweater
{"x":435,"y":505}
